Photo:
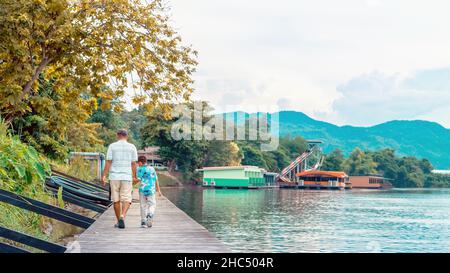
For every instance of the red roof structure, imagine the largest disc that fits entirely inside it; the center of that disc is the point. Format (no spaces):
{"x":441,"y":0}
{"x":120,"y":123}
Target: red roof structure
{"x":310,"y":173}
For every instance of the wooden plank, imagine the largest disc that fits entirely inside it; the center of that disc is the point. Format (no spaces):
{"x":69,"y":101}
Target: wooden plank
{"x":172,"y":231}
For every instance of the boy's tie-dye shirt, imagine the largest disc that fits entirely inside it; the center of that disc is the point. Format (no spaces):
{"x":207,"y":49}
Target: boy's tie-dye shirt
{"x":148,"y":177}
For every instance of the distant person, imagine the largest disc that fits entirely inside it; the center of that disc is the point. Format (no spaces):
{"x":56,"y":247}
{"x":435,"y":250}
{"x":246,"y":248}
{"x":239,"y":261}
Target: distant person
{"x":121,"y":165}
{"x":147,"y":189}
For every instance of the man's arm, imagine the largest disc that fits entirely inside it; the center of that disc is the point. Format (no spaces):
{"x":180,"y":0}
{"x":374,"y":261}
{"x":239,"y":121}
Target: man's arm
{"x":106,"y":171}
{"x":134,"y":164}
{"x":134,"y":171}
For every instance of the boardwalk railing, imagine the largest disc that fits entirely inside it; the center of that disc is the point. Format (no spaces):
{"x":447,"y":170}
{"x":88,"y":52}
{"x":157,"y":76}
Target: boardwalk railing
{"x":27,"y":240}
{"x":74,"y":191}
{"x":45,"y":209}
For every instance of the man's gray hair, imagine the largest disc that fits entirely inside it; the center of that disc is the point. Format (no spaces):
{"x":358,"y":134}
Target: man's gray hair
{"x":122,"y":132}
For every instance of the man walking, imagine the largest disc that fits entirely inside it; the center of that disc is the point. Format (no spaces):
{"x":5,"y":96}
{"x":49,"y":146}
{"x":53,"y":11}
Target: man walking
{"x":121,"y":165}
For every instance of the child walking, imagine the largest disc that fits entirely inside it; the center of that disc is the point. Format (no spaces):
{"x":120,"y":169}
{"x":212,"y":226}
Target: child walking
{"x":147,"y":189}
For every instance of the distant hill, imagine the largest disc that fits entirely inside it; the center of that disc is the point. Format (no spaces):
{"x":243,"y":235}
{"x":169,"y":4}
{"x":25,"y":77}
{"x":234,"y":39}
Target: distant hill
{"x":422,"y":139}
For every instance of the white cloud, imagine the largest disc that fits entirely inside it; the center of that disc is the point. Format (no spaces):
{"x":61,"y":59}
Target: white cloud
{"x":295,"y":53}
{"x":375,"y":97}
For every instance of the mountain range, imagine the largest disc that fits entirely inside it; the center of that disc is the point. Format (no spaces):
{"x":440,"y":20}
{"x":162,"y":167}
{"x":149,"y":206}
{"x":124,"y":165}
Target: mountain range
{"x":422,"y":139}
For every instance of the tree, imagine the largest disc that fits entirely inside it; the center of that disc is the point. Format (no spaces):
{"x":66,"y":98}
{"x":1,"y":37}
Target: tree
{"x":359,"y":163}
{"x":426,"y":166}
{"x":56,"y":122}
{"x":223,"y":153}
{"x":293,"y":146}
{"x":437,"y":181}
{"x":134,"y":120}
{"x":253,"y":156}
{"x":187,"y":154}
{"x":87,"y":45}
{"x":277,"y":160}
{"x":386,"y":161}
{"x":333,"y":161}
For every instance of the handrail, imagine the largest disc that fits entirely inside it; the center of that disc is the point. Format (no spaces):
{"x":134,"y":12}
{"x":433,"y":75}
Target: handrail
{"x":76,"y":189}
{"x":80,"y":180}
{"x":45,"y":209}
{"x":4,"y":248}
{"x":76,"y":200}
{"x":30,"y":241}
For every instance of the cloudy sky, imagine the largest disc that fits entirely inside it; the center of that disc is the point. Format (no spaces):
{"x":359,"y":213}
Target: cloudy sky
{"x":358,"y":62}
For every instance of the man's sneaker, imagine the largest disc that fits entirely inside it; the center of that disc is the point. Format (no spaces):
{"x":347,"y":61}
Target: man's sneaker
{"x":116,"y":225}
{"x":143,"y":224}
{"x":121,"y":223}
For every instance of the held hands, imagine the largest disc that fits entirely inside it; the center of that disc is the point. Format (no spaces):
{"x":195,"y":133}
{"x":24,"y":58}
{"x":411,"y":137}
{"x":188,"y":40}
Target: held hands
{"x":136,"y":181}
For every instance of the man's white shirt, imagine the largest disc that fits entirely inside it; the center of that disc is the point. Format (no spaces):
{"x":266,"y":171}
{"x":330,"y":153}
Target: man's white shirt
{"x":122,"y":155}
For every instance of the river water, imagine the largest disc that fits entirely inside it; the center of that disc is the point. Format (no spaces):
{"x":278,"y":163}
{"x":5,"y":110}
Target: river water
{"x":289,"y":220}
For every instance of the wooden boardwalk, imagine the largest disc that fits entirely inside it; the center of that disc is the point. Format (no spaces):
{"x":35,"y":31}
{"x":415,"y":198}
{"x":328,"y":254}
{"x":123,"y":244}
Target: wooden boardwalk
{"x":172,"y":231}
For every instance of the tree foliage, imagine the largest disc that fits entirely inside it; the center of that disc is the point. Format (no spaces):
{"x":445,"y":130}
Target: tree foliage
{"x":85,"y":45}
{"x":223,"y":153}
{"x":333,"y":161}
{"x":359,"y":163}
{"x":188,"y":155}
{"x":56,"y":122}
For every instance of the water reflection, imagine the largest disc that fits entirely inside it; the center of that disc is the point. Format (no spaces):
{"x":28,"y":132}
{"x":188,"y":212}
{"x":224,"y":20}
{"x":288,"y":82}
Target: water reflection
{"x":283,"y":220}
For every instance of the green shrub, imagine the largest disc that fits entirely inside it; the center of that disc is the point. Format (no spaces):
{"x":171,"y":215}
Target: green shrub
{"x":22,"y":171}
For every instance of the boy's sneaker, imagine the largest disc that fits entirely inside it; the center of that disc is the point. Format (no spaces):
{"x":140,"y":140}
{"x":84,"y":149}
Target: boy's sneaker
{"x":121,"y":223}
{"x":143,"y":224}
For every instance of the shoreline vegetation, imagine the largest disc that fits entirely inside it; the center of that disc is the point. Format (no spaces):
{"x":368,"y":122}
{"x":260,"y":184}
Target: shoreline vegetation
{"x":23,"y":171}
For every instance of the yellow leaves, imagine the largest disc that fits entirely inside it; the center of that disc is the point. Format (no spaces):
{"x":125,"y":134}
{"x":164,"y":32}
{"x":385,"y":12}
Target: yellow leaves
{"x":55,"y":6}
{"x":106,"y":104}
{"x":118,"y":108}
{"x":93,"y":103}
{"x":42,"y":103}
{"x":93,"y":44}
{"x":39,"y":2}
{"x":138,"y":99}
{"x":106,"y":95}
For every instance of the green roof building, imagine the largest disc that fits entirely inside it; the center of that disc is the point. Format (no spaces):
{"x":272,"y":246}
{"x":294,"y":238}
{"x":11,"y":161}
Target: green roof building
{"x":233,"y":177}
